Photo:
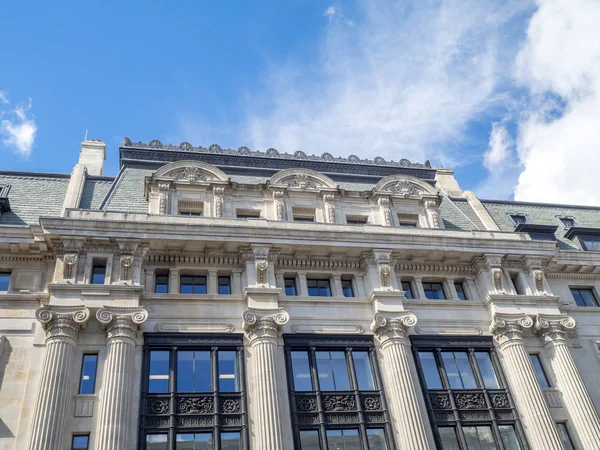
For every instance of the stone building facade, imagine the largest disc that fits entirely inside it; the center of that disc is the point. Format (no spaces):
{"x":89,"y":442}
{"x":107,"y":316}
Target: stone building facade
{"x":207,"y":298}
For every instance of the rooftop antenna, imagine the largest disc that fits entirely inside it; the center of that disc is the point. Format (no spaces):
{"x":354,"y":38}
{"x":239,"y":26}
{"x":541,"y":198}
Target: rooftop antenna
{"x":441,"y":157}
{"x":85,"y":138}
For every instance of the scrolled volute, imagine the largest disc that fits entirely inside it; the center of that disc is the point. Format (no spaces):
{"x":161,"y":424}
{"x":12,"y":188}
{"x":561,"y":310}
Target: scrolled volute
{"x":507,"y":328}
{"x":388,"y":329}
{"x":264,"y":324}
{"x":63,"y":321}
{"x":552,"y":328}
{"x":122,"y":322}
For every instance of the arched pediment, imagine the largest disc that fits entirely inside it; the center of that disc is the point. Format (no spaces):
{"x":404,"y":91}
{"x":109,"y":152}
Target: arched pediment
{"x":303,"y":179}
{"x":405,"y":186}
{"x":190,"y":171}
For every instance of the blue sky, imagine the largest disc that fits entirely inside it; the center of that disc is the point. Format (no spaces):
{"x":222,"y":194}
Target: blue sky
{"x":495,"y":89}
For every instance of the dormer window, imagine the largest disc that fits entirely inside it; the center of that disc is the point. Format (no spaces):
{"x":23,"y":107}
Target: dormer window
{"x":247,"y":213}
{"x":567,"y":222}
{"x":356,"y":220}
{"x":187,"y":207}
{"x":518,"y":218}
{"x":408,"y":220}
{"x":303,"y":214}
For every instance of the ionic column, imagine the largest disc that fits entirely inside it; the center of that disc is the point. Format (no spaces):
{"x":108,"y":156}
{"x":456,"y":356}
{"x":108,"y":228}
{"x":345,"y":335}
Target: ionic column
{"x":407,"y":407}
{"x":62,"y":325}
{"x":529,"y":398}
{"x":114,"y":414}
{"x":263,"y":334}
{"x":552,"y":329}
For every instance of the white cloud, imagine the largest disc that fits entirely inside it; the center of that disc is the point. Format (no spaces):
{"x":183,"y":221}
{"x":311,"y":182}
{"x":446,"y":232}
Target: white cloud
{"x":4,"y":97}
{"x":558,"y":142}
{"x":499,"y":148}
{"x":403,"y":82}
{"x":330,"y":11}
{"x":19,"y":130}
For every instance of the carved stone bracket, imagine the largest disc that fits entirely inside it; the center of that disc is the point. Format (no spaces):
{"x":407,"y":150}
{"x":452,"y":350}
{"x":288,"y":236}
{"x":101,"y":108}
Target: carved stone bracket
{"x":218,"y":195}
{"x":534,"y":265}
{"x":278,"y":200}
{"x":432,"y":208}
{"x":508,"y":328}
{"x":384,"y":207}
{"x":62,"y":322}
{"x":329,"y":207}
{"x":388,"y":329}
{"x":553,"y":328}
{"x":70,"y":262}
{"x":260,"y":325}
{"x":163,"y":197}
{"x":122,"y":322}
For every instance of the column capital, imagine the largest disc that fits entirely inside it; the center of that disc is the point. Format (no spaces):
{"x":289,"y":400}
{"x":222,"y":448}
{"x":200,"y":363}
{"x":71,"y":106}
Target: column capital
{"x":508,"y":327}
{"x":389,"y":329}
{"x":553,"y":328}
{"x":266,"y":324}
{"x":62,"y":322}
{"x":122,"y":322}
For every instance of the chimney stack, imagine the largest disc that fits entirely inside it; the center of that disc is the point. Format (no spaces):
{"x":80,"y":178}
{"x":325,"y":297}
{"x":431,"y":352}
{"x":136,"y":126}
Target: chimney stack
{"x":92,"y":156}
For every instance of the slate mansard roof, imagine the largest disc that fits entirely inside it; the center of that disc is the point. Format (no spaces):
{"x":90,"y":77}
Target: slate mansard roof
{"x":35,"y":195}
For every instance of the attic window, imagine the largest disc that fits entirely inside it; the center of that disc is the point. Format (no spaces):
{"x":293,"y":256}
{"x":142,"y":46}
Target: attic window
{"x":408,"y":220}
{"x":356,"y":220}
{"x":4,"y":203}
{"x":247,"y":213}
{"x":187,"y":207}
{"x":567,"y":222}
{"x":303,"y":214}
{"x":518,"y":218}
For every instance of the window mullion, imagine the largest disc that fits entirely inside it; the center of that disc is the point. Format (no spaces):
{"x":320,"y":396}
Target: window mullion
{"x":215,"y":390}
{"x":312,"y":359}
{"x":173,"y":399}
{"x":242,"y":390}
{"x":354,"y":385}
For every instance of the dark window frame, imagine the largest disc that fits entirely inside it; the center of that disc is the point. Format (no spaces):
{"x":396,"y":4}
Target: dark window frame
{"x":410,"y":289}
{"x":567,"y":434}
{"x":357,"y":220}
{"x":100,"y":264}
{"x":193,"y":284}
{"x":518,"y":222}
{"x":8,"y":275}
{"x":447,"y":404}
{"x":350,"y":285}
{"x":431,"y":283}
{"x":309,"y":409}
{"x":228,"y":284}
{"x":294,"y":283}
{"x":81,"y":373}
{"x":319,"y":281}
{"x":561,"y":219}
{"x":165,"y":274}
{"x":159,"y":411}
{"x":78,"y":435}
{"x":587,"y":289}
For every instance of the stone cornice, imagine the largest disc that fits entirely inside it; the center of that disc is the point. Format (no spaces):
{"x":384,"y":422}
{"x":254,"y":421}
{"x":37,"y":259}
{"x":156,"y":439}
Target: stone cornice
{"x":188,"y":259}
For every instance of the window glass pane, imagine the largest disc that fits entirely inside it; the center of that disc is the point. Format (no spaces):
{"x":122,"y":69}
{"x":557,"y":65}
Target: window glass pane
{"x":228,"y":375}
{"x":313,"y":287}
{"x":458,"y":369}
{"x":448,"y":438}
{"x":584,"y":297}
{"x":290,"y":287}
{"x":567,"y":223}
{"x":479,"y":438}
{"x":309,"y":440}
{"x":592,"y":245}
{"x":347,"y":288}
{"x":4,"y":281}
{"x":563,"y":432}
{"x":430,"y":370}
{"x":460,"y":290}
{"x":509,"y":437}
{"x":539,"y":371}
{"x":318,"y":288}
{"x":407,"y":288}
{"x":434,"y":291}
{"x":98,"y":273}
{"x":157,"y":442}
{"x":192,"y":285}
{"x":194,"y":441}
{"x":301,"y":371}
{"x":80,"y":442}
{"x":343,"y":439}
{"x":161,"y":284}
{"x":517,"y":218}
{"x":486,"y":369}
{"x":224,"y":285}
{"x":159,"y":372}
{"x":364,"y":374}
{"x":333,"y":371}
{"x":231,"y":441}
{"x":88,"y":374}
{"x":376,"y":439}
{"x":193,"y":371}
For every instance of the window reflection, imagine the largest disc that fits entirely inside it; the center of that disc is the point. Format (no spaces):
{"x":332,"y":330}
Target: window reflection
{"x":458,"y":369}
{"x":309,"y":440}
{"x":231,"y":441}
{"x":430,"y":370}
{"x":448,"y":438}
{"x":228,"y":375}
{"x":157,"y":442}
{"x":301,"y":371}
{"x":159,"y":372}
{"x":486,"y":368}
{"x":194,"y":441}
{"x":362,"y":367}
{"x":376,"y":439}
{"x":509,"y":437}
{"x":193,"y":371}
{"x":479,"y":438}
{"x":333,"y":371}
{"x":343,"y":439}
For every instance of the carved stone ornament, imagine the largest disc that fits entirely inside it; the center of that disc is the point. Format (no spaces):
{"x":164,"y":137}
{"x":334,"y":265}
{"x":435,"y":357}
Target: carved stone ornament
{"x":303,"y":182}
{"x":405,"y":189}
{"x":62,"y":322}
{"x":385,"y":271}
{"x":122,"y":322}
{"x":218,"y":207}
{"x":554,"y":328}
{"x":497,"y":278}
{"x":392,"y":329}
{"x":126,"y":263}
{"x":508,"y":328}
{"x":261,"y":271}
{"x":70,"y":260}
{"x":192,"y":175}
{"x":260,"y":325}
{"x":538,"y":279}
{"x":162,"y":204}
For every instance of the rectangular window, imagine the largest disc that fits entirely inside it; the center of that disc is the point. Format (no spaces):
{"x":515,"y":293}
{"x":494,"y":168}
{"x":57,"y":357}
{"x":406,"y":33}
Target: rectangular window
{"x":460,"y":291}
{"x":4,"y":281}
{"x":304,"y":219}
{"x":290,"y":287}
{"x":190,"y":207}
{"x":87,"y":382}
{"x":191,"y":213}
{"x":192,"y":284}
{"x":248,"y":214}
{"x":539,"y":371}
{"x":347,"y":288}
{"x":208,"y":385}
{"x":584,"y":297}
{"x":465,"y":395}
{"x":408,"y":220}
{"x":335,"y":373}
{"x":318,"y":287}
{"x":161,"y":283}
{"x":518,"y":218}
{"x":565,"y":437}
{"x":98,"y":273}
{"x":80,"y":442}
{"x":225,"y":285}
{"x":590,"y":244}
{"x":567,"y":222}
{"x":434,"y":291}
{"x":356,"y":220}
{"x":407,"y":288}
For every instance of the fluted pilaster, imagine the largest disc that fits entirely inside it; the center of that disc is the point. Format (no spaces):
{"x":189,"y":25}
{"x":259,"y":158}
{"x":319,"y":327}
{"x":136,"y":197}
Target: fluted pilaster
{"x":122,"y":325}
{"x":62,"y":325}
{"x":529,"y":398}
{"x":263,"y":333}
{"x":407,"y":407}
{"x":552,"y":329}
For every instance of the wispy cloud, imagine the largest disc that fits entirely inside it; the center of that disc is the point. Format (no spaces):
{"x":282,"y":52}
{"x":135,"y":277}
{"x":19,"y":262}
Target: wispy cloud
{"x":404,"y":81}
{"x":18,"y":128}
